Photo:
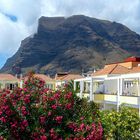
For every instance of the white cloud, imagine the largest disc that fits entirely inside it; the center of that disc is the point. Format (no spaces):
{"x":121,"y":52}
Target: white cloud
{"x":28,"y":11}
{"x":123,"y":11}
{"x":10,"y":35}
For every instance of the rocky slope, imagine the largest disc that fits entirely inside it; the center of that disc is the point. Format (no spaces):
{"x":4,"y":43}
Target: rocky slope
{"x":73,"y":44}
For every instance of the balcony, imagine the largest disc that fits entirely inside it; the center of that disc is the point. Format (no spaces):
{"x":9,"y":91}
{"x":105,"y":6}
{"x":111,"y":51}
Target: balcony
{"x":100,"y":98}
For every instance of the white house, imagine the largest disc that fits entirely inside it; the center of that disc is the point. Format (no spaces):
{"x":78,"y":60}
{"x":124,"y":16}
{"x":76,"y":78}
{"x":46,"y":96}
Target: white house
{"x":113,"y":85}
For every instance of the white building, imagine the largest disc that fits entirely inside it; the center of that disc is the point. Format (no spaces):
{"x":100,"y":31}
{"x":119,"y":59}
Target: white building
{"x":113,"y":85}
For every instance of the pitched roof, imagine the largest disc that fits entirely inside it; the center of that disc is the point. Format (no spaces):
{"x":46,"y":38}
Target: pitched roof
{"x":120,"y":70}
{"x":105,"y":71}
{"x":135,"y":70}
{"x":42,"y":76}
{"x":113,"y":69}
{"x":68,"y":77}
{"x":7,"y":77}
{"x":116,"y":69}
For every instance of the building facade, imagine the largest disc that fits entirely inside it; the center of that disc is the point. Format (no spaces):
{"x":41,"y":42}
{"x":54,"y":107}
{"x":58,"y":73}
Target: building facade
{"x":8,"y":81}
{"x":63,"y":78}
{"x":113,"y":85}
{"x":49,"y":82}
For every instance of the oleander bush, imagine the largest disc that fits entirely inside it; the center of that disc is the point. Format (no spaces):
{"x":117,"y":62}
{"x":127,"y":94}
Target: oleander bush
{"x":37,"y":113}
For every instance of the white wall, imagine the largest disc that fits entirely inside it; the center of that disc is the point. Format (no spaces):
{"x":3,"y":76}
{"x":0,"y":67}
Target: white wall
{"x":110,"y":86}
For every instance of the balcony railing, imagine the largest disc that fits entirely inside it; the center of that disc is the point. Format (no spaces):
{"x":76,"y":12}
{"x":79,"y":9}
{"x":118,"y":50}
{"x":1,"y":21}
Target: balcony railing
{"x":113,"y":98}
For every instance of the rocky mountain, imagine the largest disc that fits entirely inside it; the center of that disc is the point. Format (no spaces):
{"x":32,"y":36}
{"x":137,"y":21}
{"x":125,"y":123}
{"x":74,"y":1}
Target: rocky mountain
{"x":73,"y":44}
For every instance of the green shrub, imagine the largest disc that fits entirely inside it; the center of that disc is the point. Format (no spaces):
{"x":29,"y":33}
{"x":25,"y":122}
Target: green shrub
{"x":122,"y":125}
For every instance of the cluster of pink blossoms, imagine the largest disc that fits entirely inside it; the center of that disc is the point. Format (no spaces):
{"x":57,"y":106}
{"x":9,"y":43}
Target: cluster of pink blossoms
{"x":38,"y":113}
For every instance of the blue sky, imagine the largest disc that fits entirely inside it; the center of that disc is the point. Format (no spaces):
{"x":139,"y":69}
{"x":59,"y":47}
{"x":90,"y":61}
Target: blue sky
{"x":2,"y":59}
{"x":18,"y":19}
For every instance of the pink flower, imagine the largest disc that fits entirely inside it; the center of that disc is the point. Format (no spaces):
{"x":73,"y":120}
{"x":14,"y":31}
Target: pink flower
{"x":1,"y":112}
{"x":35,"y":136}
{"x":8,"y":112}
{"x":54,"y":107}
{"x":93,"y":126}
{"x":52,"y":131}
{"x":24,"y":123}
{"x":27,"y":99}
{"x":82,"y":126}
{"x":59,"y":119}
{"x":23,"y":110}
{"x":14,"y":125}
{"x":100,"y":129}
{"x":53,"y":134}
{"x":69,"y":95}
{"x":6,"y":107}
{"x":43,"y":137}
{"x":56,"y":96}
{"x":14,"y":103}
{"x":1,"y":138}
{"x":25,"y":89}
{"x":51,"y":98}
{"x":44,"y":98}
{"x":72,"y":125}
{"x":42,"y":131}
{"x":68,"y":106}
{"x":87,"y":128}
{"x":3,"y":119}
{"x":42,"y":119}
{"x":49,"y":113}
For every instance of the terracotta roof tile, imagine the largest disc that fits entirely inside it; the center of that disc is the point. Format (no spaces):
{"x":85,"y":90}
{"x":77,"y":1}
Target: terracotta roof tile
{"x":115,"y":69}
{"x":106,"y":70}
{"x":135,"y":70}
{"x":120,"y":70}
{"x":68,"y":77}
{"x":7,"y":77}
{"x":42,"y":76}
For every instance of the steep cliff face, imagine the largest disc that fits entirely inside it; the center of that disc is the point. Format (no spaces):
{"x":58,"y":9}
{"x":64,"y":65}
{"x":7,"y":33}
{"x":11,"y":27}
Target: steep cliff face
{"x":72,"y":44}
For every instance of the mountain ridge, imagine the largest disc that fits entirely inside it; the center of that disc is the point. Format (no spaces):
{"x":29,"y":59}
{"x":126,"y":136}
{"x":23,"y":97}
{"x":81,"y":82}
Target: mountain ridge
{"x":73,"y":44}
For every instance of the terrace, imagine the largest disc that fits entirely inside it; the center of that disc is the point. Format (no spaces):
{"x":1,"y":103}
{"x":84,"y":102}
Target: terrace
{"x":111,"y":90}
